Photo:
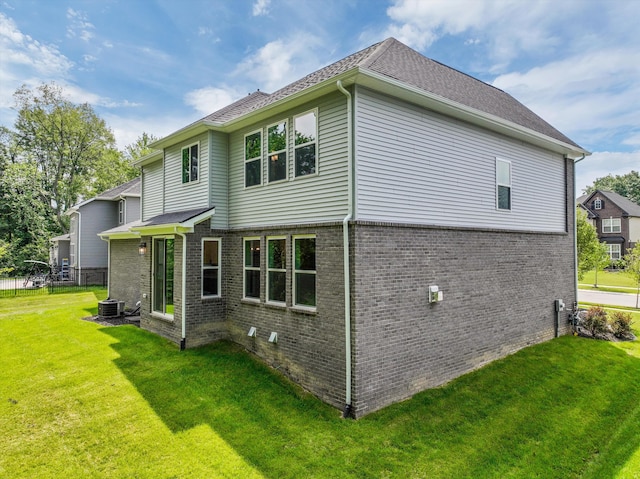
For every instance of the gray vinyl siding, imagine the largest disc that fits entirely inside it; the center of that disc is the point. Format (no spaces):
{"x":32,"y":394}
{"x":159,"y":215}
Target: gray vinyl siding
{"x":96,"y":217}
{"x":417,"y":166}
{"x":152,"y":190}
{"x":132,"y":209}
{"x":313,"y":198}
{"x":219,"y":178}
{"x":184,"y":196}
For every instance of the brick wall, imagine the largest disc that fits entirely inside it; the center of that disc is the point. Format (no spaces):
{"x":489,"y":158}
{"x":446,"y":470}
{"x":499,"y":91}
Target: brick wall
{"x":499,"y":290}
{"x":124,"y":271}
{"x":310,"y":348}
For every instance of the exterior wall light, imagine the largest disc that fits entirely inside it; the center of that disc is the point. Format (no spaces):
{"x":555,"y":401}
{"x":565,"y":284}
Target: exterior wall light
{"x":142,"y":248}
{"x":252,"y":332}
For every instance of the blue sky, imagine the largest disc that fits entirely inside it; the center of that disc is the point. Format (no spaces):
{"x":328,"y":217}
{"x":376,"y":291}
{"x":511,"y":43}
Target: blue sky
{"x":158,"y":65}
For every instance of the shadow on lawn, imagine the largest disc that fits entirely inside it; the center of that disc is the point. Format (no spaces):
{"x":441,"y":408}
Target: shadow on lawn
{"x":567,"y":408}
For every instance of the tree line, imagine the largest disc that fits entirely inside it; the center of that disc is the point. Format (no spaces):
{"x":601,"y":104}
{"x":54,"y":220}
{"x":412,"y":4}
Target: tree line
{"x":57,"y":154}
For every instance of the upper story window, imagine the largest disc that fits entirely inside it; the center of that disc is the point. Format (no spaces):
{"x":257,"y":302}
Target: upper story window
{"x":253,"y":159}
{"x":597,"y":204}
{"x":277,"y":151}
{"x":121,"y":212}
{"x":190,"y":163}
{"x":503,"y":184}
{"x":611,"y":225}
{"x":306,"y":128}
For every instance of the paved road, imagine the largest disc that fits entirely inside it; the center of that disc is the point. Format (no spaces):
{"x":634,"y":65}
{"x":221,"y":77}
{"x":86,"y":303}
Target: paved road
{"x":612,"y":299}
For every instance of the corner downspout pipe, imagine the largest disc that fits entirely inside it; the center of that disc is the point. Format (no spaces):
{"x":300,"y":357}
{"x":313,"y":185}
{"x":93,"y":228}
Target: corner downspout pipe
{"x":345,"y":250}
{"x":183,"y":301}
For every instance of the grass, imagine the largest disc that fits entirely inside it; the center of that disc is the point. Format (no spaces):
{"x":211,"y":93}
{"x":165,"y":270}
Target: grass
{"x":609,"y":281}
{"x":81,"y":400}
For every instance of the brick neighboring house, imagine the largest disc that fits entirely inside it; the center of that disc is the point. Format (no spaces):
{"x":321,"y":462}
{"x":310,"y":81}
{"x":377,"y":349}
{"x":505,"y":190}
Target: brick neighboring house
{"x":313,"y":225}
{"x":616,"y":219}
{"x":88,"y":253}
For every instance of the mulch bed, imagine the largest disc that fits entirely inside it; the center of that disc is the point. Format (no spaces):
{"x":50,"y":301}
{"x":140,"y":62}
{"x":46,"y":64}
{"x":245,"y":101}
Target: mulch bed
{"x":114,"y":321}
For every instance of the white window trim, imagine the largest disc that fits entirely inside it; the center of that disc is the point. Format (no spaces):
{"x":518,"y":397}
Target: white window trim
{"x":610,"y":221}
{"x":190,"y":182}
{"x":122,"y":212}
{"x":618,"y":252}
{"x":293,"y":156}
{"x":279,"y":270}
{"x":498,"y":184}
{"x":249,"y":160}
{"x":597,"y":204}
{"x":302,"y":271}
{"x":246,"y":268}
{"x":203,"y":268}
{"x":285,"y":150}
{"x":154,"y":313}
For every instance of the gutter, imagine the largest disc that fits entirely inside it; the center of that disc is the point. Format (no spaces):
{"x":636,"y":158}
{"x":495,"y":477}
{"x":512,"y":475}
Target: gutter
{"x":345,"y":249}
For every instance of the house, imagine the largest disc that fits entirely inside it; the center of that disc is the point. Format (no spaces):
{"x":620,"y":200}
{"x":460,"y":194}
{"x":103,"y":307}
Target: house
{"x":59,"y":255}
{"x":616,"y":219}
{"x":371,"y":230}
{"x":88,"y":253}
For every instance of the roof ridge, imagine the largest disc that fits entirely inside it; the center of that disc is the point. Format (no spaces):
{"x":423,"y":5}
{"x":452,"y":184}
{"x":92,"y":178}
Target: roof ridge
{"x":377,"y":52}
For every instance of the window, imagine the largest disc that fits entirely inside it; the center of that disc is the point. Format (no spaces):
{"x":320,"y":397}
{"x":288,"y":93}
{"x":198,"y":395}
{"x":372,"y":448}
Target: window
{"x":252,"y":268}
{"x":305,"y":143}
{"x":190,"y":163}
{"x":253,"y":159}
{"x":611,"y":225}
{"x":121,"y":212}
{"x":162,"y":286}
{"x":210,"y":267}
{"x":614,"y":251}
{"x":503,"y":184}
{"x":304,"y":263}
{"x":277,"y":151}
{"x":276,"y":270}
{"x":597,"y":204}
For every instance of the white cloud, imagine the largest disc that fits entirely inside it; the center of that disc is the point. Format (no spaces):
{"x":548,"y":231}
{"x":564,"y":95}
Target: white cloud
{"x":79,"y":25}
{"x":209,"y":99}
{"x":281,"y":61}
{"x":261,"y":7}
{"x":510,"y":26}
{"x":591,"y":91}
{"x":603,"y":163}
{"x":127,"y":129}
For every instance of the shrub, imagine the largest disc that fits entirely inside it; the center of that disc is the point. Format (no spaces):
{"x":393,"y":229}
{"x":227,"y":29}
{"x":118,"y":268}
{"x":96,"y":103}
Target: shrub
{"x":595,"y":321}
{"x":620,"y":323}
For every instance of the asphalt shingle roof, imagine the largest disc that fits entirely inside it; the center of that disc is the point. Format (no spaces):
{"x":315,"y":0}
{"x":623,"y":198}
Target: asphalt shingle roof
{"x":397,"y":61}
{"x":126,"y":189}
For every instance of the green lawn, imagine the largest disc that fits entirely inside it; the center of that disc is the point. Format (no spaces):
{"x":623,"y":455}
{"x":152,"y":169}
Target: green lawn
{"x":81,"y":400}
{"x":615,"y":281}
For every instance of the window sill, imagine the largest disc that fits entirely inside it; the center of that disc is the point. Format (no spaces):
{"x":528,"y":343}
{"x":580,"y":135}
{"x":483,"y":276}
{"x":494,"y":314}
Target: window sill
{"x":250,"y":301}
{"x":281,"y":306}
{"x":164,"y":317}
{"x":210,"y":298}
{"x":304,"y":310}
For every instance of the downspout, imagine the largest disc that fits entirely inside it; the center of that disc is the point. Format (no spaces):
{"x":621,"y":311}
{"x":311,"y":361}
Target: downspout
{"x":575,"y":228}
{"x":108,"y":240}
{"x":345,"y":251}
{"x":78,"y":247}
{"x":183,"y":300}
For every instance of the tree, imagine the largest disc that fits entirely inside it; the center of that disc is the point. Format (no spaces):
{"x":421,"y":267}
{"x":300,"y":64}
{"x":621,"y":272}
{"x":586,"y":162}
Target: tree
{"x":625,"y":185}
{"x":4,"y":248}
{"x":632,"y":267}
{"x":589,"y":247}
{"x":68,"y":143}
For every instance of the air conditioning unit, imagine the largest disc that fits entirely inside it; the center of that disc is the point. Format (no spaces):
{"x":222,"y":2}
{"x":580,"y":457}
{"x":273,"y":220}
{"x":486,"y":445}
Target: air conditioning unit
{"x":110,"y":308}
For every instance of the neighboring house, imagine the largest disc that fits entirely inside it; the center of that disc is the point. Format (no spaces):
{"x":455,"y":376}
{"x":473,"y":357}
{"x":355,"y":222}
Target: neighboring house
{"x":59,"y":256}
{"x":616,"y":219}
{"x":371,"y":230}
{"x":88,"y":253}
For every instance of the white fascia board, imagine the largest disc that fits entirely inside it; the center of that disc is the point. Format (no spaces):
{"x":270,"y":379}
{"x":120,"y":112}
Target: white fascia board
{"x":155,"y":230}
{"x":119,"y":235}
{"x":150,"y":158}
{"x":412,"y":94}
